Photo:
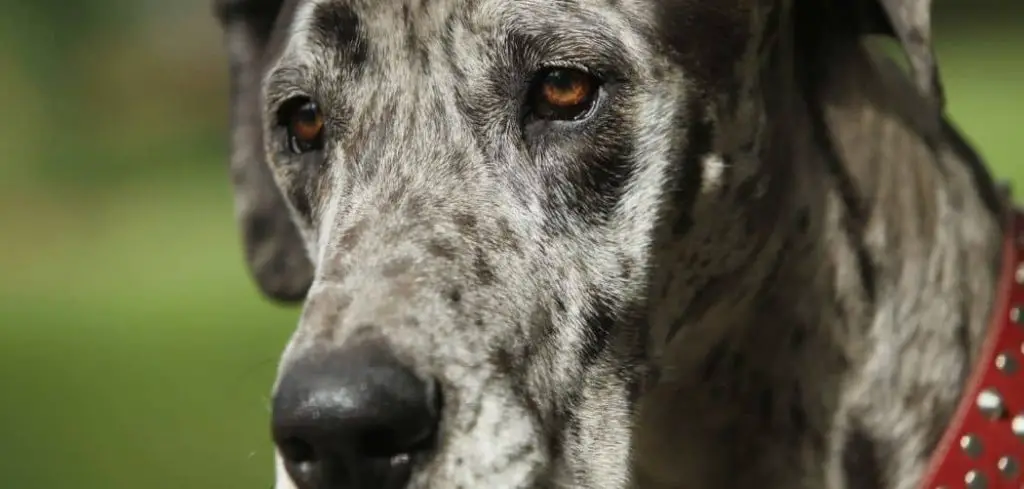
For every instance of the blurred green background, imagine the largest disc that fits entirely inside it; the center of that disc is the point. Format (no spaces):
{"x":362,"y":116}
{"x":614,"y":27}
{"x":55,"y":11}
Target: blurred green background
{"x":134,"y":350}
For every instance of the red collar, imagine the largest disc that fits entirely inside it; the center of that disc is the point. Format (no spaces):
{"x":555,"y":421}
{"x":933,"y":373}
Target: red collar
{"x":983,"y":448}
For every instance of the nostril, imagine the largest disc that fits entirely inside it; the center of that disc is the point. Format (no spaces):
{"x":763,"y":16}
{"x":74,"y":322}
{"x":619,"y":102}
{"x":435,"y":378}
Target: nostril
{"x":301,"y":461}
{"x":297,"y":451}
{"x":414,"y":431}
{"x":387,"y":443}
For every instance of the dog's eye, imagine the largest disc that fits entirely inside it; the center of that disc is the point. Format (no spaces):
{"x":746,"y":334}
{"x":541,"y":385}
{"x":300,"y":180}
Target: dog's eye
{"x":563,"y":94}
{"x":305,"y":125}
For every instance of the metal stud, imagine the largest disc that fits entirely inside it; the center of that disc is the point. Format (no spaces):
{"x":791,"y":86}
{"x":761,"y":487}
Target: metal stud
{"x":975,"y":480}
{"x":1017,"y":426}
{"x":1005,"y":363}
{"x":1008,"y":467}
{"x":971,"y":445}
{"x":1017,"y":315}
{"x":990,"y":403}
{"x":1019,"y":276}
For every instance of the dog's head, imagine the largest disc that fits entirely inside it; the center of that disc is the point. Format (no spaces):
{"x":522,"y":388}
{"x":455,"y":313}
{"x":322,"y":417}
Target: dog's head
{"x":496,"y":212}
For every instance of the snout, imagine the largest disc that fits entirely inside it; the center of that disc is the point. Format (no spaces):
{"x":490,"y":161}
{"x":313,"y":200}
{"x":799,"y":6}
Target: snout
{"x":353,"y":418}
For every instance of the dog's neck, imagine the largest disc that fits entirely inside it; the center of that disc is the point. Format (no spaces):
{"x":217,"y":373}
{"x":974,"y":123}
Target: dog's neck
{"x":833,"y":297}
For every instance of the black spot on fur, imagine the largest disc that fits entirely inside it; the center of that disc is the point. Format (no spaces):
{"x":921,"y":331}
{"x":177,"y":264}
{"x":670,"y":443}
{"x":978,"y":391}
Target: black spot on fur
{"x":484,"y":272}
{"x":338,"y":26}
{"x":448,"y":32}
{"x":466,"y":223}
{"x":454,"y":295}
{"x":599,"y":333}
{"x":351,"y":238}
{"x":414,"y":206}
{"x":543,"y":320}
{"x":862,"y":460}
{"x":335,"y":270}
{"x":408,"y":24}
{"x":559,"y":305}
{"x":442,"y":249}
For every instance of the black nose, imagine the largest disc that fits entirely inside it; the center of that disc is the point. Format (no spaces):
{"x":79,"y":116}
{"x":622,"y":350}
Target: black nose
{"x":353,"y":419}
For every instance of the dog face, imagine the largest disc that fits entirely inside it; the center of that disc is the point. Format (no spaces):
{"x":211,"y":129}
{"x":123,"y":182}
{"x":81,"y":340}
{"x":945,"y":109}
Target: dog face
{"x":472,"y":197}
{"x":478,"y":191}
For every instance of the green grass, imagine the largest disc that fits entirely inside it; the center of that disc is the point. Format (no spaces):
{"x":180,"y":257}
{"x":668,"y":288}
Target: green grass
{"x":984,"y":81}
{"x":135,"y":352}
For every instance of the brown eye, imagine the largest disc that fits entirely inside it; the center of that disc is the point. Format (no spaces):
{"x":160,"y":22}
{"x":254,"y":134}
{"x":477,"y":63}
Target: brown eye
{"x":563,"y":94}
{"x":305,"y":126}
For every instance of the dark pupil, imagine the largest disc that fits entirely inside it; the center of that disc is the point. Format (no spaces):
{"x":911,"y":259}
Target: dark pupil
{"x":561,"y":80}
{"x":307,"y":114}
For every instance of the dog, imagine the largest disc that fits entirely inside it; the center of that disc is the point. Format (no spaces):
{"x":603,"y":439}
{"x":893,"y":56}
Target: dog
{"x":609,"y":244}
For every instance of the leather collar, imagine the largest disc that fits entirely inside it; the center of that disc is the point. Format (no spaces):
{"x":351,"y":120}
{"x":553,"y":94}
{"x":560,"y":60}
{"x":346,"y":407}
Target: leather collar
{"x":983,"y":448}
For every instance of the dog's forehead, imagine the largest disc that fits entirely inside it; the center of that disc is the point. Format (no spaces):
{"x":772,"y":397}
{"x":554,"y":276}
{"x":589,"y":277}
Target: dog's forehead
{"x":395,"y":29}
{"x":425,"y":16}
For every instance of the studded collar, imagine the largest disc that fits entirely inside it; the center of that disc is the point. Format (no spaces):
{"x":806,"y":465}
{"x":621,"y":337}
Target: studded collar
{"x":983,"y":448}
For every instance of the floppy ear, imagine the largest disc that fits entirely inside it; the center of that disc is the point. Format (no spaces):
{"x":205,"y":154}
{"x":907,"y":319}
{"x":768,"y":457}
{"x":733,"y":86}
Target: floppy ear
{"x":909,"y":21}
{"x":273,"y":247}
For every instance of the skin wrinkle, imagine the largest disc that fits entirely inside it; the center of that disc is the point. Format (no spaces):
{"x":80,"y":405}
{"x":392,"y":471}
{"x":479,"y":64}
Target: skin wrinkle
{"x":748,"y":239}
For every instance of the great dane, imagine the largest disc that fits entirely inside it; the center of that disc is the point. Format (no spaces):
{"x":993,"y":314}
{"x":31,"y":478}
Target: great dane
{"x":609,"y":244}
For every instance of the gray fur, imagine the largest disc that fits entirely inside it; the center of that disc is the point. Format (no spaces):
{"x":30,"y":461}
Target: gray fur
{"x":764,"y":262}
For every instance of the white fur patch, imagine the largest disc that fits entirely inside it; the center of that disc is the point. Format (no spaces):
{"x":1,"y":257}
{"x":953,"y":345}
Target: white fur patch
{"x":714,"y":171}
